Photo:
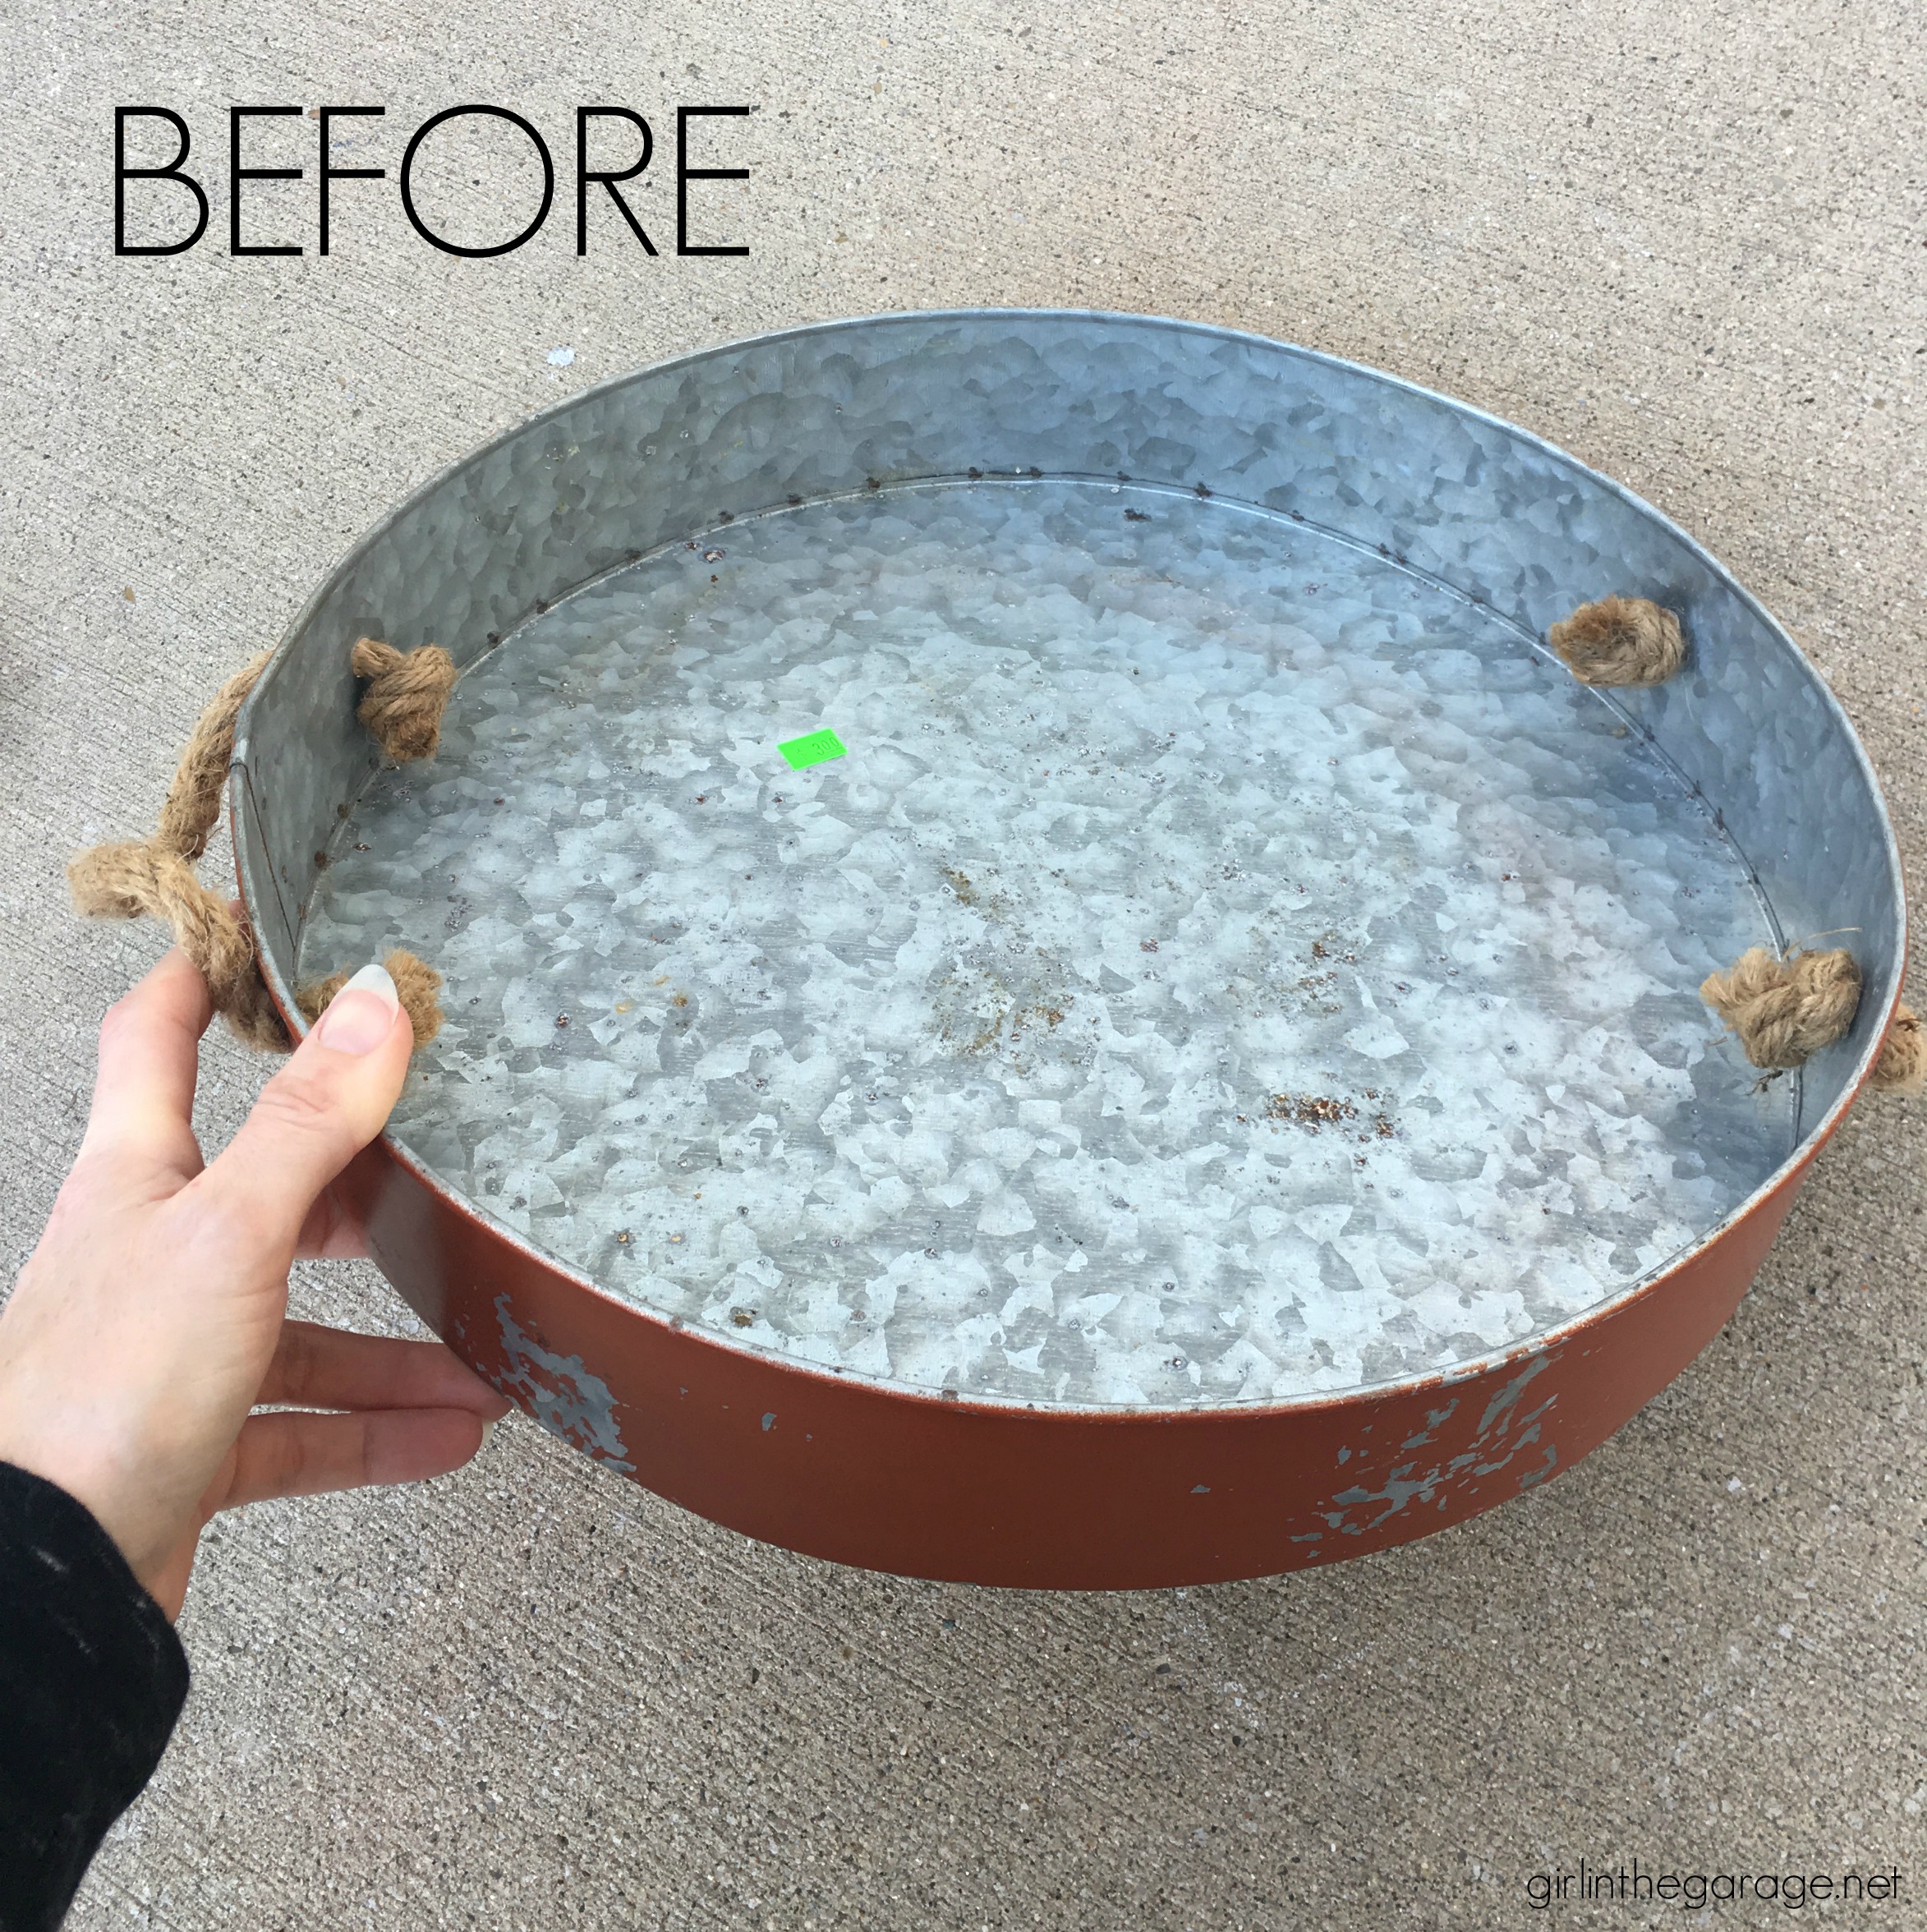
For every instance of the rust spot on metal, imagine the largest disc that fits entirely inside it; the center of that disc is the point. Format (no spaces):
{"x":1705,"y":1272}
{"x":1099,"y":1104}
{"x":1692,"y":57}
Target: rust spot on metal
{"x":1313,"y":1110}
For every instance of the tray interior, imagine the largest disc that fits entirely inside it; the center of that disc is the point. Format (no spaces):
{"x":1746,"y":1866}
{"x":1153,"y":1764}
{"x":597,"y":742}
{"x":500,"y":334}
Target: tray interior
{"x":1225,"y":964}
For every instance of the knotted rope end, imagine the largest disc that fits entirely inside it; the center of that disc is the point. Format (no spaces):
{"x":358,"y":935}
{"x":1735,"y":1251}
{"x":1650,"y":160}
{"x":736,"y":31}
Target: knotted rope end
{"x":1902,"y":1068}
{"x":1784,"y":1007}
{"x":407,"y":692}
{"x":416,"y":985}
{"x":1619,"y":640}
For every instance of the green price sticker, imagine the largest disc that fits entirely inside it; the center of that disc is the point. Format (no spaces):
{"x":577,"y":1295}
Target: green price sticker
{"x":811,"y":748}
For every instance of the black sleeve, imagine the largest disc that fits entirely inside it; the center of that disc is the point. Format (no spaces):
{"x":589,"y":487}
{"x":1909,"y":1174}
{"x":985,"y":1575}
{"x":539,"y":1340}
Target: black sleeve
{"x":92,"y":1678}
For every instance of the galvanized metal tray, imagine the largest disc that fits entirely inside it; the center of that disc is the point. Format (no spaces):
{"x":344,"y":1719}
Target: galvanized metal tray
{"x":1200,"y":1072}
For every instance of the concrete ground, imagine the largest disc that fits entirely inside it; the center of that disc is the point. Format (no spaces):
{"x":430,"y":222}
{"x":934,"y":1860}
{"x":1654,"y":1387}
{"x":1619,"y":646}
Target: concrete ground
{"x":1687,"y":242}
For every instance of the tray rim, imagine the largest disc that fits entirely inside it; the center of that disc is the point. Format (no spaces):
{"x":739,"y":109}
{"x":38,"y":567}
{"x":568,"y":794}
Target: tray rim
{"x":1791,"y":1169}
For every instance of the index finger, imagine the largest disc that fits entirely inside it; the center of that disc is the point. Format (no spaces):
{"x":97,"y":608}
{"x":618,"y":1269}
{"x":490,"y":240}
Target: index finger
{"x":149,"y":1056}
{"x":318,"y":1367}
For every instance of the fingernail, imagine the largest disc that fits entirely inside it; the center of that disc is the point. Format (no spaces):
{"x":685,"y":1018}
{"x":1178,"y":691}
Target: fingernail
{"x":362,"y":1015}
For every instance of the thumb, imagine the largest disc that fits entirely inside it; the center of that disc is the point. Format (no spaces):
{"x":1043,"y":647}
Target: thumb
{"x":329,"y":1100}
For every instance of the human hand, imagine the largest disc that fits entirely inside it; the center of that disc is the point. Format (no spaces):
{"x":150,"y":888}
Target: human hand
{"x":150,"y":1319}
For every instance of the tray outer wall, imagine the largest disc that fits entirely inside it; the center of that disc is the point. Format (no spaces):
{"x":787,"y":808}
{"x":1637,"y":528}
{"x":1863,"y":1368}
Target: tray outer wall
{"x":1051,"y":1499}
{"x":996,"y":1492}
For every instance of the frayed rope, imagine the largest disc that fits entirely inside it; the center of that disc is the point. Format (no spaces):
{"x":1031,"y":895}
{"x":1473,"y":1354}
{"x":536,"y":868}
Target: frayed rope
{"x":416,"y":984}
{"x":1619,"y":640}
{"x":153,"y":877}
{"x":1784,"y":1007}
{"x":407,"y":692}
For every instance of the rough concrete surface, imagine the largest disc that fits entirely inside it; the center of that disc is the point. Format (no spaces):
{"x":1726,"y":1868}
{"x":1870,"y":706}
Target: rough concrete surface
{"x":1687,"y":242}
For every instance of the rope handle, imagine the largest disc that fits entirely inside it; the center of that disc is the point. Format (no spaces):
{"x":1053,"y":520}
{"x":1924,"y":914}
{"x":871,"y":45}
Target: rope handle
{"x":155,"y":878}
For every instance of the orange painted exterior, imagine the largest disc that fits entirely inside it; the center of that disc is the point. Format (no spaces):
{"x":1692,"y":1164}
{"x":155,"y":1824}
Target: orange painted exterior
{"x":1060,"y":1499}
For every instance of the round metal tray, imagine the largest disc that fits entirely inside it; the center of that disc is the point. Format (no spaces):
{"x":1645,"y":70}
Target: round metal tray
{"x":1200,"y":1073}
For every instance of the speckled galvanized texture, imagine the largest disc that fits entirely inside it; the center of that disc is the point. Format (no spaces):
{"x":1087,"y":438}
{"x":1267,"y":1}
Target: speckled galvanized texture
{"x":1226,"y":965}
{"x":1449,"y":541}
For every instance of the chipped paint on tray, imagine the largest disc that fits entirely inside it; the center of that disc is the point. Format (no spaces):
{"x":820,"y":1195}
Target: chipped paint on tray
{"x":1501,"y":1428}
{"x":561,"y":1392}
